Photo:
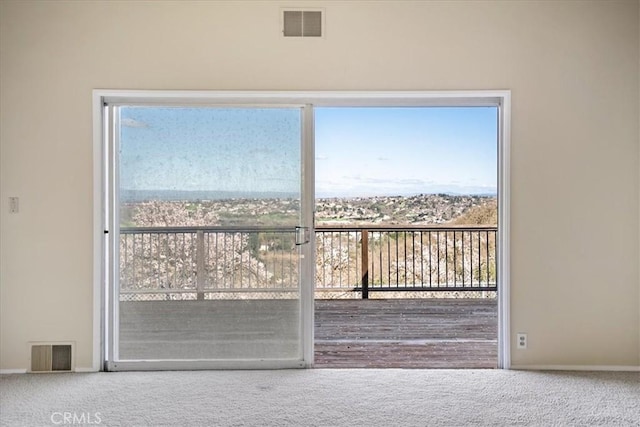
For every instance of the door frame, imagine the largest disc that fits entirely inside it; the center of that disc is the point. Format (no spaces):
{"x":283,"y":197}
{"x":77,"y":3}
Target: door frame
{"x":112,"y":360}
{"x":311,"y":99}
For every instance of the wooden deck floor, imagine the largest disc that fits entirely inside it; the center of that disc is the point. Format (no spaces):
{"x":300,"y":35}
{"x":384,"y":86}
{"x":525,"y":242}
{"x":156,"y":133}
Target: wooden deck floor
{"x":398,"y":333}
{"x":412,"y":333}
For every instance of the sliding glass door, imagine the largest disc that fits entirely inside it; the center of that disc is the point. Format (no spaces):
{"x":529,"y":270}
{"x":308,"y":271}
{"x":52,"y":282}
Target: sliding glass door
{"x":209,"y":233}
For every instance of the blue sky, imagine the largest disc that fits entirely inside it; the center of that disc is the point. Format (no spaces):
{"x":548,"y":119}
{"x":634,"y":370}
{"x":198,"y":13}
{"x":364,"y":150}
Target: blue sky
{"x":404,"y":151}
{"x":359,"y":151}
{"x":210,"y":149}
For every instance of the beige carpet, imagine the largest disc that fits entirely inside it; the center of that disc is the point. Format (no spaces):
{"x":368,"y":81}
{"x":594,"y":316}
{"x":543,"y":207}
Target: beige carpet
{"x":322,"y":397}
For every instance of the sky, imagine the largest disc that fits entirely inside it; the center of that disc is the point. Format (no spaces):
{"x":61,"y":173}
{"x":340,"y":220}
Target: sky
{"x":406,"y":151}
{"x":359,"y":151}
{"x":210,"y":149}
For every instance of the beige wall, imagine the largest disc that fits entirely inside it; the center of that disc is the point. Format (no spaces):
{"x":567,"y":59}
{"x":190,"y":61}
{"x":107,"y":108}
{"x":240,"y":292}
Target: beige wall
{"x":573,"y":69}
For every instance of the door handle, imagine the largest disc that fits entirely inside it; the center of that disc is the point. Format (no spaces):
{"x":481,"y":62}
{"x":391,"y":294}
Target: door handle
{"x":303,"y":235}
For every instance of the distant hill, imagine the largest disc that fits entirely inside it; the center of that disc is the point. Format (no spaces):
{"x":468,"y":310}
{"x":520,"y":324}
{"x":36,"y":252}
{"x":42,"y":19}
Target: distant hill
{"x":485,"y":214}
{"x":422,"y":209}
{"x":131,"y":196}
{"x":206,"y":210}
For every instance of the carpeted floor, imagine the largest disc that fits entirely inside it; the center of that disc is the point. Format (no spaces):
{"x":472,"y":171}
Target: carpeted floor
{"x":322,"y":397}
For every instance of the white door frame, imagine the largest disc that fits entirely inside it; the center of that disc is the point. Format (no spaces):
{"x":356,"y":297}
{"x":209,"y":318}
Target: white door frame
{"x":496,"y":98}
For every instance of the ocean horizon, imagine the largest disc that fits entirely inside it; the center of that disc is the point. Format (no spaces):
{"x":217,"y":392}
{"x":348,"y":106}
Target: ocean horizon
{"x":129,"y":196}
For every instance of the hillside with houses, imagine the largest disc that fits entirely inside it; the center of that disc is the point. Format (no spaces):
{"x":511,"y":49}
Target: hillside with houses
{"x":423,"y":209}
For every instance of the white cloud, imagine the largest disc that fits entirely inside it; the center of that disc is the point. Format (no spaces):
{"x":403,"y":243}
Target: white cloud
{"x":133,"y":123}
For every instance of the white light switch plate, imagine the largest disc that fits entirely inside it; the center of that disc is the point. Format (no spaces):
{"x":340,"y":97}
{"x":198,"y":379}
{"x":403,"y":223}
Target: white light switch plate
{"x":14,"y":205}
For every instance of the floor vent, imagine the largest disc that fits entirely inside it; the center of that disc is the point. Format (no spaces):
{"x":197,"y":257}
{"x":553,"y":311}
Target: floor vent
{"x":51,"y":358}
{"x":302,"y":23}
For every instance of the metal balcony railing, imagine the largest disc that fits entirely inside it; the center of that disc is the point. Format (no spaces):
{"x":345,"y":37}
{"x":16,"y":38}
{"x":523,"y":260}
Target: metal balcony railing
{"x":193,"y":262}
{"x":404,"y":258}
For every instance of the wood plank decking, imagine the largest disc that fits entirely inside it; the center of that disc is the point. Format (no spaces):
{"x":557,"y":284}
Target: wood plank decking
{"x":394,"y":333}
{"x":406,"y":333}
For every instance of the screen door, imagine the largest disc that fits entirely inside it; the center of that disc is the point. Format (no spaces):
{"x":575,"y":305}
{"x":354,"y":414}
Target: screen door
{"x":208,"y":236}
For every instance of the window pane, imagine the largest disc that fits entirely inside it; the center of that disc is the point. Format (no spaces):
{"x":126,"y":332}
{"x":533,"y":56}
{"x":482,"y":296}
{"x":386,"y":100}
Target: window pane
{"x":208,"y":266}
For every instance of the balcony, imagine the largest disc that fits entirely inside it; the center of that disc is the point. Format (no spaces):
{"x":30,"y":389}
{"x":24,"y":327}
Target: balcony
{"x":385,"y":296}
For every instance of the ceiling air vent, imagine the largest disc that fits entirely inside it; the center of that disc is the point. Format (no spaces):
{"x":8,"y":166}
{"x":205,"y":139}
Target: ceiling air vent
{"x":51,"y":357}
{"x":302,"y":23}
